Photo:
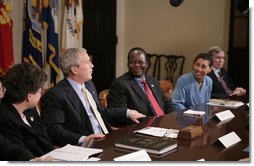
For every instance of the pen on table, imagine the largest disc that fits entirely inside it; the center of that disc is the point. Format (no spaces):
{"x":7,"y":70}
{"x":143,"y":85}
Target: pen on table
{"x":194,"y":114}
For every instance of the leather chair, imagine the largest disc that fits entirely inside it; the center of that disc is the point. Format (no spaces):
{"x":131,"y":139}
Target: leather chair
{"x":167,"y":88}
{"x":165,"y":67}
{"x":103,"y":97}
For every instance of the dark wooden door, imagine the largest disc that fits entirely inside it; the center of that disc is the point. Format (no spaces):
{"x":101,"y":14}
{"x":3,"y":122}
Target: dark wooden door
{"x":238,"y":53}
{"x":99,"y":38}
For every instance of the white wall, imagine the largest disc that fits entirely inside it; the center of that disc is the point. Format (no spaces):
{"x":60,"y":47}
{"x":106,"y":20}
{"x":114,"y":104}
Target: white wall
{"x":158,"y":27}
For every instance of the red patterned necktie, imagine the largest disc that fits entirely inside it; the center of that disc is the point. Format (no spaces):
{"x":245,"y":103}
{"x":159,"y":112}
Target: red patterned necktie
{"x":227,"y":90}
{"x":152,"y":99}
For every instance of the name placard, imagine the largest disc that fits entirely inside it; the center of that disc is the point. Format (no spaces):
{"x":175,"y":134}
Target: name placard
{"x":222,"y":122}
{"x":225,"y":115}
{"x":229,"y":139}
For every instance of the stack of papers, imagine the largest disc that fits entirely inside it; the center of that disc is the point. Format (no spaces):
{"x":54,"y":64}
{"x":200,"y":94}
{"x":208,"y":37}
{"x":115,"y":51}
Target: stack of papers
{"x":158,"y":132}
{"x":72,"y":153}
{"x":140,"y":155}
{"x":225,"y":103}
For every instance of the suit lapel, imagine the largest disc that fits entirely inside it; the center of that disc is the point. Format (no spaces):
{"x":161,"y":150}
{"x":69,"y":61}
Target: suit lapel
{"x":35,"y":128}
{"x":216,"y":81}
{"x":76,"y":102}
{"x":139,"y":91}
{"x":37,"y":125}
{"x":141,"y":94}
{"x":225,"y":78}
{"x":152,"y":87}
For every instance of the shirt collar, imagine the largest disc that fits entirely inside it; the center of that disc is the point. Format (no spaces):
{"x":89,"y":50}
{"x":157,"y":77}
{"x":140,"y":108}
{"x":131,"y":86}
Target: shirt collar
{"x":216,"y":71}
{"x":76,"y":85}
{"x":139,"y":79}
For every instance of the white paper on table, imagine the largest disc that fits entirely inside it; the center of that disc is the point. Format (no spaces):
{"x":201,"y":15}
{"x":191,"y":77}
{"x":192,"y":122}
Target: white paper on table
{"x":225,"y":103}
{"x":72,"y":153}
{"x":93,"y":159}
{"x":140,"y":155}
{"x":201,"y":159}
{"x":158,"y":132}
{"x":193,"y":113}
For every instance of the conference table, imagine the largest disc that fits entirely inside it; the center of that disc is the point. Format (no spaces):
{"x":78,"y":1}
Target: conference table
{"x":207,"y":147}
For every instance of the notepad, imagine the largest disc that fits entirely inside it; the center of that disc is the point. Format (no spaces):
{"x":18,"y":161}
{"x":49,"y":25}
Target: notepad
{"x":72,"y":153}
{"x":225,"y":103}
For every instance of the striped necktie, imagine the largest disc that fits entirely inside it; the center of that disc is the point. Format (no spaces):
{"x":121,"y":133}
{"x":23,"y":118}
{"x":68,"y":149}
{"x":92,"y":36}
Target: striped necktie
{"x":223,"y":83}
{"x":93,"y":106}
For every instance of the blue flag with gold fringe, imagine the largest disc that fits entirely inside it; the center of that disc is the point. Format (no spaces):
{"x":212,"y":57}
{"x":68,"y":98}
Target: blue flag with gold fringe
{"x":49,"y":18}
{"x":32,"y":46}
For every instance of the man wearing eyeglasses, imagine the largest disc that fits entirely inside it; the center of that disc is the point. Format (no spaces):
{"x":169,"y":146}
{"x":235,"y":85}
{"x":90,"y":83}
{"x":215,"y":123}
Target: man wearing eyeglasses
{"x":223,"y":87}
{"x":135,"y":90}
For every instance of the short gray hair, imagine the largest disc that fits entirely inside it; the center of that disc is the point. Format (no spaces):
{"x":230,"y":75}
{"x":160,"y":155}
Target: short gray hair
{"x":214,"y":49}
{"x":69,"y":58}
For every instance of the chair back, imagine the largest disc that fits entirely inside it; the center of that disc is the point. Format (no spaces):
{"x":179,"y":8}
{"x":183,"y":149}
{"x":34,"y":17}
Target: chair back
{"x":167,"y":88}
{"x":39,"y":102}
{"x":103,"y":97}
{"x":165,"y":67}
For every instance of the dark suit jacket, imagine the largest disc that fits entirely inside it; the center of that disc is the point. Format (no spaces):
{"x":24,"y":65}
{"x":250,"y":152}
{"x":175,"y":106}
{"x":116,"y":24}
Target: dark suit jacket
{"x":65,"y":115}
{"x":12,"y":152}
{"x":33,"y":138}
{"x":218,"y":90}
{"x":126,"y":93}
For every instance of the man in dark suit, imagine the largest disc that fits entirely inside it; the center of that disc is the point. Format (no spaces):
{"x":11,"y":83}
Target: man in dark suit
{"x":71,"y":109}
{"x":223,"y":87}
{"x":20,"y":122}
{"x":130,"y":89}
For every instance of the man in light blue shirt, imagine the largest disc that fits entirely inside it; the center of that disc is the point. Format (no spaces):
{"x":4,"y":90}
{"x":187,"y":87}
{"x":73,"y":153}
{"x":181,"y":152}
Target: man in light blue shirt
{"x":194,"y":88}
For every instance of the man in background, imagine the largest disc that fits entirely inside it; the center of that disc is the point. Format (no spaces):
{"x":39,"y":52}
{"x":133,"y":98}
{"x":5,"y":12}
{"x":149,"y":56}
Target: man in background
{"x":223,"y":87}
